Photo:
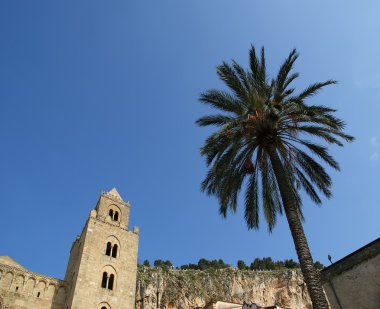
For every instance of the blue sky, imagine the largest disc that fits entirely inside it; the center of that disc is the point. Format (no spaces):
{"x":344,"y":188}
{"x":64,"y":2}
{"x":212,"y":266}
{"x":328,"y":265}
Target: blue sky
{"x":96,"y":94}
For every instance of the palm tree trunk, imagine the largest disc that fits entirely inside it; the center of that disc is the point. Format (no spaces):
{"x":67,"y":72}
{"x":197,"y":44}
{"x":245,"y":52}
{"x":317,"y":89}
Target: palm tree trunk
{"x":311,"y":275}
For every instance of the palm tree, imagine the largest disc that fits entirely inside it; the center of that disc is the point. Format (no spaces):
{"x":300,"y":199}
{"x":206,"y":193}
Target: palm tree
{"x":262,"y":146}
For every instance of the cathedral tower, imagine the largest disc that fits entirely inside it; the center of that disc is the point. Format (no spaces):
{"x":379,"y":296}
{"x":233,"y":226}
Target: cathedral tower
{"x":103,"y":259}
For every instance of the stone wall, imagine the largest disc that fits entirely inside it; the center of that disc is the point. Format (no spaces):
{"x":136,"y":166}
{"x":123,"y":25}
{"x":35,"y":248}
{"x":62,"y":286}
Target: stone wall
{"x":89,"y":260}
{"x":354,"y":281}
{"x":191,"y":289}
{"x":27,"y":290}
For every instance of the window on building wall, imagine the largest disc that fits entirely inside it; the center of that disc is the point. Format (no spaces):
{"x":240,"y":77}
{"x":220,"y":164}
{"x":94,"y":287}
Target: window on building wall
{"x":38,"y":294}
{"x":108,"y":249}
{"x":104,"y":280}
{"x":114,"y":214}
{"x":114,"y":251}
{"x":110,"y":281}
{"x":103,"y":307}
{"x":16,"y":289}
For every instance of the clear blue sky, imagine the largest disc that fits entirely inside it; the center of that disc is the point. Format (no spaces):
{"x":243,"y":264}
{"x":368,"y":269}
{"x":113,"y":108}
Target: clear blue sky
{"x":96,"y":94}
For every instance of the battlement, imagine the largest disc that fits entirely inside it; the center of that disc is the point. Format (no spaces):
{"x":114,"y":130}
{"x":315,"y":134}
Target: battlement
{"x":115,"y":196}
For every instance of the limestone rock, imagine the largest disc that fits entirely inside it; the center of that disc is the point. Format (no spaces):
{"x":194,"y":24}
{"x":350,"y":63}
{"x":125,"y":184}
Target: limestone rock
{"x":193,"y":289}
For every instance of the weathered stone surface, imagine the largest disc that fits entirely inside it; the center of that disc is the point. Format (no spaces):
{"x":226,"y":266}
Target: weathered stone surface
{"x":354,"y":281}
{"x":191,"y":289}
{"x":101,"y":272}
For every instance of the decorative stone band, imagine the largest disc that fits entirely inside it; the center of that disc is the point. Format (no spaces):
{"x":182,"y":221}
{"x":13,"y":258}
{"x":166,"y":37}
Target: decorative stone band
{"x":106,"y":220}
{"x":22,"y":281}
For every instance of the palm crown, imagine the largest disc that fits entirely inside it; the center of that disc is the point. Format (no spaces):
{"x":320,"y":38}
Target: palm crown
{"x":259,"y":116}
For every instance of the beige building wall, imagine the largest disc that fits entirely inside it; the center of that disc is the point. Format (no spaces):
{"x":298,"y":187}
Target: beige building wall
{"x":89,"y":260}
{"x":22,"y":289}
{"x":104,"y":246}
{"x":354,"y":281}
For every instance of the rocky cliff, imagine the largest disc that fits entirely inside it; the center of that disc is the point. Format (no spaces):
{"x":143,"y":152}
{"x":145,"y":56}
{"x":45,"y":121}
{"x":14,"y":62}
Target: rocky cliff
{"x":191,"y":289}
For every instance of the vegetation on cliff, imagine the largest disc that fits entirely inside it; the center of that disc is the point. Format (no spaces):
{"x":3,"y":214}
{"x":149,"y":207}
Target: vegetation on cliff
{"x":189,"y":289}
{"x":265,"y":263}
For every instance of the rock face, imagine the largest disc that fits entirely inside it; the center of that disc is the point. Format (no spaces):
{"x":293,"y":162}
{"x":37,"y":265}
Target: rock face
{"x":191,"y":289}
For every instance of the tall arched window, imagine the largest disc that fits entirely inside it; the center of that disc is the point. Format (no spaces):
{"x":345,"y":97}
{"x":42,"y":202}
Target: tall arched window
{"x":110,"y":282}
{"x":104,"y":307}
{"x":114,"y":251}
{"x":114,"y":212}
{"x":108,"y":249}
{"x":104,"y":280}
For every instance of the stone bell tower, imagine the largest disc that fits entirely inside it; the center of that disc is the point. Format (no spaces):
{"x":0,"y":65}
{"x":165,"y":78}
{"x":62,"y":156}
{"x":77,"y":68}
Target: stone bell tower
{"x":103,"y":259}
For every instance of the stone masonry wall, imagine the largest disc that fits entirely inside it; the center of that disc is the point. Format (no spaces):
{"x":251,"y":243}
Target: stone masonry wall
{"x":23,"y":289}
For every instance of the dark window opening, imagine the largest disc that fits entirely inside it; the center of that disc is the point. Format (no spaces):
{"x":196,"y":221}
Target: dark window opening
{"x":116,"y":216}
{"x":110,"y":282}
{"x":114,"y":251}
{"x":104,"y":280}
{"x":108,"y":250}
{"x":111,"y":213}
{"x":38,"y":294}
{"x":104,"y":307}
{"x":16,"y":288}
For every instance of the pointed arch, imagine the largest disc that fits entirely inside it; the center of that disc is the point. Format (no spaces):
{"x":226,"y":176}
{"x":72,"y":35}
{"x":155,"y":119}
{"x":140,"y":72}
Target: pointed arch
{"x":109,"y":277}
{"x":104,"y":305}
{"x":6,"y":282}
{"x":115,"y":248}
{"x":115,"y":213}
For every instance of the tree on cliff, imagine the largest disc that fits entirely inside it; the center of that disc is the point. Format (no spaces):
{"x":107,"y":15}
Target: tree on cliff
{"x":146,"y":263}
{"x":241,"y":265}
{"x":261,"y":144}
{"x":163,"y":264}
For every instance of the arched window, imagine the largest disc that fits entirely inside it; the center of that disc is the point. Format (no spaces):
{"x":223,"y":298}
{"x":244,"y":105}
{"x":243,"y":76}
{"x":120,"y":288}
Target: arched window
{"x":114,"y":212}
{"x":104,"y":305}
{"x":114,"y":251}
{"x":108,"y":249}
{"x":104,"y":280}
{"x":110,"y":281}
